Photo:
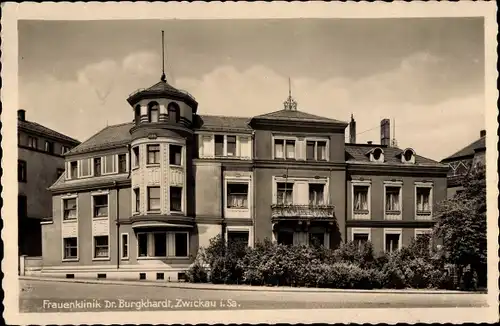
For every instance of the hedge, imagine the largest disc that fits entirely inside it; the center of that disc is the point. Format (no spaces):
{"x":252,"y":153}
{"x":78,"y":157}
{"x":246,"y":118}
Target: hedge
{"x":347,"y":267}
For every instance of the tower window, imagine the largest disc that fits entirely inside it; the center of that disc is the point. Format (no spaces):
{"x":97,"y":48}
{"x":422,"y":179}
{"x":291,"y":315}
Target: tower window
{"x":175,"y":155}
{"x":137,"y":114}
{"x":173,"y":112}
{"x":153,"y":154}
{"x":153,"y":112}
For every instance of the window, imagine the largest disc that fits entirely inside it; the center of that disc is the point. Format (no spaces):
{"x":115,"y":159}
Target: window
{"x":122,"y":163}
{"x":240,"y":237}
{"x":73,"y":169}
{"x":175,"y":153}
{"x":153,"y":112}
{"x":160,"y":244}
{"x":101,"y":247}
{"x":22,"y":205}
{"x":316,"y":239}
{"x":59,"y":173}
{"x":181,"y":244}
{"x":97,"y":166}
{"x":378,"y":155}
{"x":290,"y":149}
{"x":231,"y":145}
{"x":153,"y":198}
{"x":109,"y":164}
{"x":423,"y":200}
{"x":100,"y":205}
{"x":284,"y":193}
{"x":153,"y":154}
{"x":137,"y":114}
{"x":285,"y":238}
{"x":279,"y":148}
{"x":69,"y":209}
{"x":360,"y":239}
{"x":316,"y":194}
{"x":392,"y":199}
{"x":124,"y":246}
{"x":173,"y":112}
{"x":85,"y":168}
{"x":207,"y":146}
{"x":49,"y":147}
{"x":424,"y":237}
{"x":70,"y":248}
{"x":219,"y":145}
{"x":64,"y":149}
{"x":32,"y":142}
{"x":316,"y":150}
{"x":137,"y":194}
{"x":361,"y":199}
{"x":135,"y":151}
{"x":142,"y":243}
{"x":175,"y":199}
{"x":392,"y":242}
{"x":21,"y":171}
{"x":408,"y":155}
{"x":237,"y":195}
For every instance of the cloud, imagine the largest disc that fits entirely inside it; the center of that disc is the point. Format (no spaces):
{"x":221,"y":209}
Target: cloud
{"x":434,"y":128}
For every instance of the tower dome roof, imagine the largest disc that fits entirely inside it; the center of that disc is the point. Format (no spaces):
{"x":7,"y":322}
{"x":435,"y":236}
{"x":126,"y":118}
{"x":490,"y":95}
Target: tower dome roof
{"x":163,"y":89}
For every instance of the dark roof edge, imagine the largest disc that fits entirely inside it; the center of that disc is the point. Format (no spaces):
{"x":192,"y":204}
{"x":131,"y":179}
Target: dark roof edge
{"x":58,"y":136}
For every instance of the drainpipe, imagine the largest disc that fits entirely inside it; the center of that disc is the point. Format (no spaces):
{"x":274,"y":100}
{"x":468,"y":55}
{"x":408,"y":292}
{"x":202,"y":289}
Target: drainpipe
{"x":117,"y":221}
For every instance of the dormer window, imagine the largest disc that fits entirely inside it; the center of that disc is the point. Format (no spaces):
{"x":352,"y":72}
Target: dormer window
{"x":377,"y":155}
{"x":137,"y":114}
{"x":408,"y":156}
{"x":153,"y":112}
{"x":173,"y":112}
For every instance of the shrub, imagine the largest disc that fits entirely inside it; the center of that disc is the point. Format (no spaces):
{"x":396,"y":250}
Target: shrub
{"x":197,"y":273}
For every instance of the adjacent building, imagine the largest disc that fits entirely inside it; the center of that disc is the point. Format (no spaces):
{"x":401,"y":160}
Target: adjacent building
{"x":463,"y":161}
{"x":40,"y":163}
{"x":139,"y":199}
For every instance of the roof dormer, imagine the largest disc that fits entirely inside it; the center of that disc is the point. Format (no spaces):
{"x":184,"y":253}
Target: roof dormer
{"x":376,"y":155}
{"x":408,"y":156}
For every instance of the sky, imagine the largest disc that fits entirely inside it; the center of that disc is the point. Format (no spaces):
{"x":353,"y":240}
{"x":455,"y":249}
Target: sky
{"x":425,"y":74}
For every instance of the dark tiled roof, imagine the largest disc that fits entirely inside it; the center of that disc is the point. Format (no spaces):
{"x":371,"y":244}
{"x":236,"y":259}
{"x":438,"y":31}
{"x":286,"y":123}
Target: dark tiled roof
{"x":38,"y":128}
{"x":468,"y":150}
{"x":223,"y":123}
{"x":159,"y":89}
{"x":295,"y":115}
{"x":108,"y":137}
{"x":62,"y":183}
{"x":357,"y":153}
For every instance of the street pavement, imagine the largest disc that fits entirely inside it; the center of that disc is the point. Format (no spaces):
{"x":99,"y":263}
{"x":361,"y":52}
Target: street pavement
{"x":44,"y":296}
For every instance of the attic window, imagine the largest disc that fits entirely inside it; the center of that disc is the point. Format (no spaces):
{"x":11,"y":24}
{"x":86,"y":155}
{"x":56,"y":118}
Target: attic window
{"x":408,"y":156}
{"x":173,"y":112}
{"x":377,"y":154}
{"x":153,"y":111}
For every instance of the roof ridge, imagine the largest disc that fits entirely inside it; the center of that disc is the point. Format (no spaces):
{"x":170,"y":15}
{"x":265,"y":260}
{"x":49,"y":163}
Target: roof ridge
{"x":59,"y":134}
{"x":224,"y":116}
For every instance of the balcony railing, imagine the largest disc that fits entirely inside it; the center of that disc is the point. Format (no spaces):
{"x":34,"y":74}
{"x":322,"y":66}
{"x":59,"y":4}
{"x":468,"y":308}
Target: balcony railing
{"x":284,"y":211}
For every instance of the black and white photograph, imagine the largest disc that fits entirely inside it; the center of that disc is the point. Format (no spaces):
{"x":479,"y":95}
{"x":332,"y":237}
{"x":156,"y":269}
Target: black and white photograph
{"x":249,"y":162}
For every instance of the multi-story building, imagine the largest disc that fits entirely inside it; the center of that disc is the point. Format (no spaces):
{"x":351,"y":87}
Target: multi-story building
{"x":463,"y":161}
{"x":138,"y":199}
{"x":40,"y":163}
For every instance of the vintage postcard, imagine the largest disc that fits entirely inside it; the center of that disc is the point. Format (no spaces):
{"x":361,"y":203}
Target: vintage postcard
{"x":249,"y":162}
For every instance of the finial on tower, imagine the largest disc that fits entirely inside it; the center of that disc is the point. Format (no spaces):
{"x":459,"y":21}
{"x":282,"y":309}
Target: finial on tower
{"x":163,"y":76}
{"x":290,"y":103}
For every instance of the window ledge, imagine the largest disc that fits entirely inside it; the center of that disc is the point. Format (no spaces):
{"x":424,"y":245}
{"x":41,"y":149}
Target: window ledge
{"x":70,"y":260}
{"x":158,"y":212}
{"x":124,"y":258}
{"x":135,"y":168}
{"x":234,"y":209}
{"x":392,"y":212}
{"x":176,"y":165}
{"x":100,"y":218}
{"x":152,"y":165}
{"x":424,"y":213}
{"x":101,"y":259}
{"x":362,"y":211}
{"x":162,"y":257}
{"x":73,"y":220}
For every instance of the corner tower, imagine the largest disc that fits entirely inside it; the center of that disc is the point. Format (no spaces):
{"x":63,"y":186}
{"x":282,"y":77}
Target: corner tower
{"x":161,"y":154}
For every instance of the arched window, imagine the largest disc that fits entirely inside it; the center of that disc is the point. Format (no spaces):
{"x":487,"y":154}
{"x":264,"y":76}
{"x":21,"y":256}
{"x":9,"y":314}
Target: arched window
{"x":173,"y":112}
{"x":408,"y":155}
{"x":153,"y":111}
{"x":377,"y":153}
{"x":137,"y":114}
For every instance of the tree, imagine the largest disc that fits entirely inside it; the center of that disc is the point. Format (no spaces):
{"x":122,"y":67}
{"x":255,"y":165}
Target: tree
{"x":461,"y":224}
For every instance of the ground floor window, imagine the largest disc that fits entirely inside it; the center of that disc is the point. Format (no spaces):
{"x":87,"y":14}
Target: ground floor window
{"x":285,"y":238}
{"x":392,"y":241}
{"x":240,"y":237}
{"x":70,"y":248}
{"x":360,"y":239}
{"x":163,"y":244}
{"x":124,"y":245}
{"x":316,"y":239}
{"x":101,"y":247}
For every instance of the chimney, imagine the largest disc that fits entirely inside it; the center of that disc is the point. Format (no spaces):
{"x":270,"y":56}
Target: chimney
{"x":21,"y":115}
{"x":352,"y":130}
{"x":482,"y":133}
{"x":385,"y":132}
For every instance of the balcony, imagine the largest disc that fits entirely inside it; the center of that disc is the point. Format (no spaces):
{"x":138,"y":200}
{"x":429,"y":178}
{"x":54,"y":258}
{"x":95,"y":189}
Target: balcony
{"x":302,"y":212}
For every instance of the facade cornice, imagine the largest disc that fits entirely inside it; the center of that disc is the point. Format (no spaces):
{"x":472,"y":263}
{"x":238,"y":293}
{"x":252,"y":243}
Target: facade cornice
{"x":315,"y":126}
{"x":297,"y":164}
{"x":177,"y":219}
{"x":170,"y":94}
{"x":390,"y":224}
{"x":91,"y":185}
{"x":358,"y":168}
